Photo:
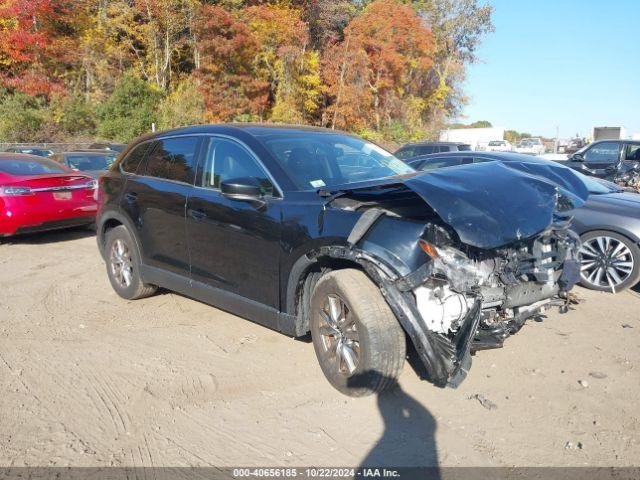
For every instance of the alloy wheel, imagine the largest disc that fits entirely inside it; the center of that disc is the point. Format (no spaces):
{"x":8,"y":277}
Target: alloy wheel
{"x":121,"y":263}
{"x":605,"y":262}
{"x":339,"y":335}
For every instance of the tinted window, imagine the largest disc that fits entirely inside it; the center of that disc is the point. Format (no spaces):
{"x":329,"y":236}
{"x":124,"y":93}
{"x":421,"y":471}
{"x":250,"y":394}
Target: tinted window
{"x":606,"y":152}
{"x":466,"y":148}
{"x":90,"y":162}
{"x":318,"y":160}
{"x":426,"y":150}
{"x":441,"y":162}
{"x":134,"y":158}
{"x":30,"y":167}
{"x":407,"y":152}
{"x":228,"y":160}
{"x":633,"y":152}
{"x":173,"y":159}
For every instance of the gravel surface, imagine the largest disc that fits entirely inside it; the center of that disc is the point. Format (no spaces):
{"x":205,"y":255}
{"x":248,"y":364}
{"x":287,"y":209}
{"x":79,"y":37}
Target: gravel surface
{"x":89,"y":379}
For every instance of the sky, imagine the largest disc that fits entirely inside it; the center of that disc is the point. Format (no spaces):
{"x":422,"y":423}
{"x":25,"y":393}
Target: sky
{"x":572,"y":64}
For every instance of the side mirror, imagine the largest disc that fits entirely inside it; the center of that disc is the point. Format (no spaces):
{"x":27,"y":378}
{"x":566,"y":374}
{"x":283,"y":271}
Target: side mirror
{"x":577,"y":157}
{"x":244,"y":189}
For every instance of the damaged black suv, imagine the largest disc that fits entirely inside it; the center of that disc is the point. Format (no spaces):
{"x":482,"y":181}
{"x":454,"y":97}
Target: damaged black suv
{"x":310,"y":230}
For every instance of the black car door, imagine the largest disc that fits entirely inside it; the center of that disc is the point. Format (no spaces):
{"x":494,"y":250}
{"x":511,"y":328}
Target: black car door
{"x":155,"y":200}
{"x":234,"y":245}
{"x":600,"y":159}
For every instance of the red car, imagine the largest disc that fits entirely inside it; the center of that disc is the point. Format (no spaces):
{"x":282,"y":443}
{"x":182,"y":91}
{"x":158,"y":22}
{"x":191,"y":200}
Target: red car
{"x":37,"y":194}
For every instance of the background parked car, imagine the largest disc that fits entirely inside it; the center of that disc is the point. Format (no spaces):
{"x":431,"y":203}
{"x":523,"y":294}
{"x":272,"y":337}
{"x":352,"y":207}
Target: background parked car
{"x":614,"y":160}
{"x":116,"y":147}
{"x":499,"y":146}
{"x":426,"y":148}
{"x":38,"y":194}
{"x":90,"y":162}
{"x":39,"y":152}
{"x":608,"y":223}
{"x":531,"y":146}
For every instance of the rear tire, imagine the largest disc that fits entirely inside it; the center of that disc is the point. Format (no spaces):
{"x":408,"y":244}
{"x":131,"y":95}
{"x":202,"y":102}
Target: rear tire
{"x":359,"y":343}
{"x":123,"y":265}
{"x":608,"y":258}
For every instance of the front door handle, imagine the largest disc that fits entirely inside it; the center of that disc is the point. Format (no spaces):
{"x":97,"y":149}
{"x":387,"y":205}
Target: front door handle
{"x":197,"y":214}
{"x":131,"y":197}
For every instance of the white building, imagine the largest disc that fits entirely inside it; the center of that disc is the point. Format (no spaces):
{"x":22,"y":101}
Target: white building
{"x":478,"y":138}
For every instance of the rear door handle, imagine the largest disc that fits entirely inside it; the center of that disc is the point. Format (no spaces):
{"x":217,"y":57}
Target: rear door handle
{"x":198,"y":215}
{"x":131,"y":197}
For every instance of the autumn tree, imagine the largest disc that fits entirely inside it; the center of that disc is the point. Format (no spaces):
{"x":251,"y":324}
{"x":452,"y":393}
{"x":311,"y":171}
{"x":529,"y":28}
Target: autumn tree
{"x":227,"y":71}
{"x":458,"y":27}
{"x":36,"y":51}
{"x":378,"y":72}
{"x":257,"y":64}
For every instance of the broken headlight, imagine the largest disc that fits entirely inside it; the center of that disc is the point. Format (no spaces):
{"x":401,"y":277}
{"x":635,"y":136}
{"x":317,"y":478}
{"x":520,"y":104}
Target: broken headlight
{"x":462,"y":272}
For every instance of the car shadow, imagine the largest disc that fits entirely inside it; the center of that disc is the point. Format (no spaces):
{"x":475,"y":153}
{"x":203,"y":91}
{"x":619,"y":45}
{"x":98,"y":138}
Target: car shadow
{"x":54,"y":236}
{"x":408,"y":439}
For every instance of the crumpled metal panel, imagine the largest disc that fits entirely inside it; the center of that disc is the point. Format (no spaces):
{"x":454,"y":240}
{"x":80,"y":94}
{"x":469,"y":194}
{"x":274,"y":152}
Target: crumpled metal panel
{"x":492,"y":204}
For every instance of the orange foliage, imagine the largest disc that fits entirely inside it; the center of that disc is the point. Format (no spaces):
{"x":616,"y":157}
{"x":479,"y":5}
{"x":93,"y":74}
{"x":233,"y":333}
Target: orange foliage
{"x":383,"y":60}
{"x":34,"y":49}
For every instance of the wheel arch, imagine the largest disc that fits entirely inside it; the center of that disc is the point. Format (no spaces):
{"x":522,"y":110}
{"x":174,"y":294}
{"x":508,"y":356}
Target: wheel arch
{"x":307,"y":270}
{"x":113,"y":219}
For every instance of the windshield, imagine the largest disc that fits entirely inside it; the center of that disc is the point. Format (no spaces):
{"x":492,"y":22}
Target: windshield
{"x":90,"y":162}
{"x":496,"y":144}
{"x":30,"y":167}
{"x":35,"y":151}
{"x":319,"y":160}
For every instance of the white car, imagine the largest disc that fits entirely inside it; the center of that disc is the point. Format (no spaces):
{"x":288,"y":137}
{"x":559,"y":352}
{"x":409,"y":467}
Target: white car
{"x":531,"y":146}
{"x":499,"y":146}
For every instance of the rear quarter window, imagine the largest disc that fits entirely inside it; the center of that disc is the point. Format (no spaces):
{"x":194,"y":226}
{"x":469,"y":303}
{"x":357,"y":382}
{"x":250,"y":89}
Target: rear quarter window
{"x":131,"y":163}
{"x":173,"y":159}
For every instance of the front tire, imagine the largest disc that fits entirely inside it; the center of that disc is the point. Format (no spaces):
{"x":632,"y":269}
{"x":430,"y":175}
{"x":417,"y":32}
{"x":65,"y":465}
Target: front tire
{"x":609,"y":261}
{"x":359,"y":343}
{"x":123,"y":265}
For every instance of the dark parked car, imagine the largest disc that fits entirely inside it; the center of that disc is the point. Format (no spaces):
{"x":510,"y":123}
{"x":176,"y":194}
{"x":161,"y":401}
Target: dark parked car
{"x":312,"y":230}
{"x":90,"y":162}
{"x":608,"y":223}
{"x":614,"y":160}
{"x":38,"y":152}
{"x":426,"y":148}
{"x":116,"y":147}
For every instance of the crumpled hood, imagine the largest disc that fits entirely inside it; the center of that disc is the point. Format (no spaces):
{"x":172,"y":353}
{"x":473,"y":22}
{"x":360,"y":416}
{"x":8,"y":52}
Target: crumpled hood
{"x":493,"y":204}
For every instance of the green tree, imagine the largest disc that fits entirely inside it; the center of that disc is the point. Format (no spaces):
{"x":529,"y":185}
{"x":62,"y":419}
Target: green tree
{"x":184,"y":106}
{"x":481,"y":124}
{"x":129,"y":111}
{"x":72,"y":116}
{"x":21,"y":118}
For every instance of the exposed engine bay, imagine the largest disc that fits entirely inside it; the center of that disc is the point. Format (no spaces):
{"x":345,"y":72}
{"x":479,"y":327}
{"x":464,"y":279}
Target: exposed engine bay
{"x":482,"y":275}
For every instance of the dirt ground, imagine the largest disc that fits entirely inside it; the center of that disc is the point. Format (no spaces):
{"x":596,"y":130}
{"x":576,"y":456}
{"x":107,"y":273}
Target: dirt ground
{"x":89,"y":379}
